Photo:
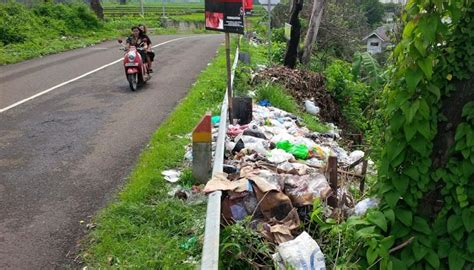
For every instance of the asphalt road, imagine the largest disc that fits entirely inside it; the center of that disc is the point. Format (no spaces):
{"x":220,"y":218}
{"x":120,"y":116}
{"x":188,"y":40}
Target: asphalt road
{"x":64,"y":154}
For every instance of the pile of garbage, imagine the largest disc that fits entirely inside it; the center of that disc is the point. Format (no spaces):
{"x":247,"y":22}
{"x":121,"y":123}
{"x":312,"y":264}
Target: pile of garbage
{"x":274,"y":168}
{"x":304,"y":85}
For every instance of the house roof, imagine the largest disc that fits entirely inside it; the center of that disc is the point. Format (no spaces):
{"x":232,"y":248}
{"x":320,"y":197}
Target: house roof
{"x":380,"y":33}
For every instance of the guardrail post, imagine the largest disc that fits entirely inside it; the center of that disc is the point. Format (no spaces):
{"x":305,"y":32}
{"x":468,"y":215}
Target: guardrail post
{"x":202,"y":149}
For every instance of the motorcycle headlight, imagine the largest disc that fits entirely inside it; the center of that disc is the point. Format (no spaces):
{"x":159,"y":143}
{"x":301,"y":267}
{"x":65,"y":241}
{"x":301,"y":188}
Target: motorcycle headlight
{"x":131,"y":56}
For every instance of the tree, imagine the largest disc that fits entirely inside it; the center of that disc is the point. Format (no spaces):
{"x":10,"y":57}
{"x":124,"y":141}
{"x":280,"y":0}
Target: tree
{"x":123,"y":2}
{"x":291,"y":55}
{"x":342,"y":28}
{"x":374,"y":11}
{"x":313,"y":28}
{"x":97,"y":8}
{"x":426,"y":175}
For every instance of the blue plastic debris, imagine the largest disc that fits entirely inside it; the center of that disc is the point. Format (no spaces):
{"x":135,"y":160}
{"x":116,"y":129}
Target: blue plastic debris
{"x":264,"y":103}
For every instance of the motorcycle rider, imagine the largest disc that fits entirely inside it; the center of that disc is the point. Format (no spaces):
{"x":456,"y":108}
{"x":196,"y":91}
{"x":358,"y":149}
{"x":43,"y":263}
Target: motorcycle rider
{"x":149,"y":53}
{"x":137,"y":40}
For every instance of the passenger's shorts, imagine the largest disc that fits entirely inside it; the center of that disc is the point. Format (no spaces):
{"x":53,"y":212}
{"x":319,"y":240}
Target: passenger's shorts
{"x":151,"y":55}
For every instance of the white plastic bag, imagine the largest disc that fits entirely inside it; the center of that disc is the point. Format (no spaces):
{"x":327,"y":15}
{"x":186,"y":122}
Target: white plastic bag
{"x":311,"y":107}
{"x":278,"y":156}
{"x":361,"y":207}
{"x":302,"y":253}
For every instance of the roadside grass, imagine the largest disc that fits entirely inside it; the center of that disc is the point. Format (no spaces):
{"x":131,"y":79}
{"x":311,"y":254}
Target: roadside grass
{"x":144,"y":228}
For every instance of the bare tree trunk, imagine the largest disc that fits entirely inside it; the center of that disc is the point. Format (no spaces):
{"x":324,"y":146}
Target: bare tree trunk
{"x":312,"y":33}
{"x":292,"y":49}
{"x":97,"y":8}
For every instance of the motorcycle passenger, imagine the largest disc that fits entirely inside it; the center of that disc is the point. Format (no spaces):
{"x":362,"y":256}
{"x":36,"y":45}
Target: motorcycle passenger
{"x":137,"y":40}
{"x":149,"y":53}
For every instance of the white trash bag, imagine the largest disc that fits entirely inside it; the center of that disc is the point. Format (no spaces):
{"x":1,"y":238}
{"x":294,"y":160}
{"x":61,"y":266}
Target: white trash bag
{"x":301,"y":253}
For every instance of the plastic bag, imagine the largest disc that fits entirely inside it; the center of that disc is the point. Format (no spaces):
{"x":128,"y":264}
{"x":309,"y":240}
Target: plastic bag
{"x":302,"y":253}
{"x":278,"y":156}
{"x":300,"y":151}
{"x":311,"y":107}
{"x":361,"y":207}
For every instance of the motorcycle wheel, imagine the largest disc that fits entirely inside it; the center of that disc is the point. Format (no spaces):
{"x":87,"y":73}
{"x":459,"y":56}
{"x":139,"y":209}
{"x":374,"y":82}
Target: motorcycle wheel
{"x":133,"y":81}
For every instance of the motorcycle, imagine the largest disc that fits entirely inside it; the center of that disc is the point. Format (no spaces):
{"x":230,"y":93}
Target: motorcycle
{"x":135,"y":68}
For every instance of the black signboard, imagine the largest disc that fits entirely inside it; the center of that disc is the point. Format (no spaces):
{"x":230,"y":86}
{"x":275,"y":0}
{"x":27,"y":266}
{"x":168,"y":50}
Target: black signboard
{"x":225,"y":16}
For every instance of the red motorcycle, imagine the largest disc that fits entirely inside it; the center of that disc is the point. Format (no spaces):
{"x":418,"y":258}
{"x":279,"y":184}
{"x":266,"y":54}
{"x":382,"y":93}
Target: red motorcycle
{"x":135,"y":68}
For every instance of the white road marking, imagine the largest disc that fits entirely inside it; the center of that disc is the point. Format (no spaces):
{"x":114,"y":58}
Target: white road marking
{"x":77,"y":78}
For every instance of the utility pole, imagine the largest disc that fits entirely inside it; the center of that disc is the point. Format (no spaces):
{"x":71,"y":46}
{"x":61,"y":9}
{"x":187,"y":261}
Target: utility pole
{"x":142,"y":10}
{"x":163,"y":7}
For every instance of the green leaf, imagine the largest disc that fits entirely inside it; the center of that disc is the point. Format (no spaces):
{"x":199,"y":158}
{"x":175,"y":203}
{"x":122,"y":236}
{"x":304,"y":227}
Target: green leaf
{"x":407,"y":257}
{"x":455,"y":260}
{"x":420,"y":225}
{"x":392,"y":197}
{"x":390,"y":215}
{"x":468,"y":219}
{"x":405,"y":216}
{"x":371,"y":254}
{"x":408,"y":29}
{"x":470,"y":243}
{"x":435,"y":90}
{"x":398,"y":264}
{"x":419,"y":144}
{"x":400,"y":183}
{"x":413,"y":78}
{"x":377,"y":218}
{"x":443,"y":248}
{"x":424,"y":129}
{"x":458,"y":234}
{"x":412,"y":172}
{"x":424,"y":109}
{"x":387,"y":243}
{"x":454,"y":223}
{"x":432,"y":258}
{"x":421,"y":46}
{"x":413,"y":110}
{"x":393,"y":149}
{"x":397,"y":121}
{"x":410,"y":131}
{"x":418,"y":250}
{"x":470,"y":138}
{"x":467,"y":169}
{"x":426,"y":65}
{"x":365,"y":232}
{"x":356,"y":65}
{"x":400,"y":231}
{"x":461,"y":131}
{"x":428,"y":27}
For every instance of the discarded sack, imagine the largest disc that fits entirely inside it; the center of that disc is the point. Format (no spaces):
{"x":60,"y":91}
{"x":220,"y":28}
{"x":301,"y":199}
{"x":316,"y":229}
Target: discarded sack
{"x":301,"y":253}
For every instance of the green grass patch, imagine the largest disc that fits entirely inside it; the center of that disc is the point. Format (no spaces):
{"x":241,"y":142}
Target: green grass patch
{"x":144,"y":228}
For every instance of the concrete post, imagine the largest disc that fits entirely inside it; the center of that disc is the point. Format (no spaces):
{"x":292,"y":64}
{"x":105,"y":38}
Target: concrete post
{"x":202,"y":150}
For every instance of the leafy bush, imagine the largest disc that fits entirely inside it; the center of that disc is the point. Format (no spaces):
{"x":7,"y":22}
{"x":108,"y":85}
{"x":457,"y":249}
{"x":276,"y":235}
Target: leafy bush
{"x":243,"y":248}
{"x":353,"y":96}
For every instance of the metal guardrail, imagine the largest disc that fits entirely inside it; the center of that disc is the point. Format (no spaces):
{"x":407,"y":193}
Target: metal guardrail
{"x":210,"y":252}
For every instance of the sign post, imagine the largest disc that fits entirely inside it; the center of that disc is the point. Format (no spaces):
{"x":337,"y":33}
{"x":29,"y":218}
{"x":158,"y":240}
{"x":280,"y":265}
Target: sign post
{"x":229,"y":82}
{"x":268,"y":5}
{"x":225,"y":16}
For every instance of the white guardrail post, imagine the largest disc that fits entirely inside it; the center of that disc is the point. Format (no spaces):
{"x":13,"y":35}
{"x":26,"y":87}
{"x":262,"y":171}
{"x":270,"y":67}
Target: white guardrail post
{"x":210,"y":251}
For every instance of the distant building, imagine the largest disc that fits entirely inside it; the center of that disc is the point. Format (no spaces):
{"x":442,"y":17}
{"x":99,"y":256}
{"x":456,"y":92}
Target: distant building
{"x":377,"y":40}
